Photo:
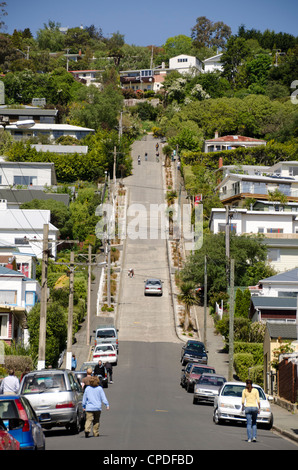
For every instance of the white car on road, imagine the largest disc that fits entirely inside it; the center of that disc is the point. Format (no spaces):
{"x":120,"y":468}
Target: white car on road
{"x":228,"y":405}
{"x":106,"y":352}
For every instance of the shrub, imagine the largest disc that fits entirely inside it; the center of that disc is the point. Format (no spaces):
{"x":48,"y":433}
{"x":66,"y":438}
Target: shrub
{"x":18,"y":363}
{"x":242,"y":363}
{"x":256,"y":349}
{"x":256,"y":374}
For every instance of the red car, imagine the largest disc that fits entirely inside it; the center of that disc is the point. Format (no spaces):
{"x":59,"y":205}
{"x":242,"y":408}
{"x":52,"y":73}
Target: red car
{"x":192,"y":373}
{"x":7,"y":442}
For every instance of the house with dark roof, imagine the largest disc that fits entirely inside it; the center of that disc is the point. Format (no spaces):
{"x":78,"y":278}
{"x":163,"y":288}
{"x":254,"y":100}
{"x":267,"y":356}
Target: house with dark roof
{"x":264,"y":309}
{"x":275,"y":298}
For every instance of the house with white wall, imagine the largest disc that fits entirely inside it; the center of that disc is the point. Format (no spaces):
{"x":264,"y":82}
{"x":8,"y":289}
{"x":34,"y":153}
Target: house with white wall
{"x":23,"y":228}
{"x":238,"y":183}
{"x":186,"y":64}
{"x":29,"y":129}
{"x":213,"y":64}
{"x":280,"y":231}
{"x":231,"y":142}
{"x":87,"y":77}
{"x":31,"y":174}
{"x":18,"y":295}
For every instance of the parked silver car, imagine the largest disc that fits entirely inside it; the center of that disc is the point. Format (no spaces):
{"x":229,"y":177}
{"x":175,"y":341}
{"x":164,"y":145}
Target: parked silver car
{"x":153,"y":287}
{"x":56,"y":396}
{"x":207,"y":387}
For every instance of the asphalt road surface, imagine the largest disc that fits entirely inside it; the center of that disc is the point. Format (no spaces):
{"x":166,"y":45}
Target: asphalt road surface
{"x":149,"y":410}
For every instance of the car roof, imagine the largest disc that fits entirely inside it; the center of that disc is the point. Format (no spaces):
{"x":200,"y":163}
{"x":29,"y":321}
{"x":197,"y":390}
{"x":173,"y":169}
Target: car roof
{"x":205,"y":366}
{"x":192,"y":341}
{"x":153,"y":279}
{"x":241,"y":383}
{"x":47,"y":371}
{"x":207,"y":374}
{"x":10,"y":397}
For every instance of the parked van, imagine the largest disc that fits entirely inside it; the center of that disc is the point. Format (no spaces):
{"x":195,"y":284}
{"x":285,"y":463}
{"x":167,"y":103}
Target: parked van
{"x":106,"y":334}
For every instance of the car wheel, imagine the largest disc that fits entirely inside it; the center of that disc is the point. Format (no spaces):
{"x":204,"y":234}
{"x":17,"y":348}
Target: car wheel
{"x":216,"y":417}
{"x":75,"y":427}
{"x":189,"y":388}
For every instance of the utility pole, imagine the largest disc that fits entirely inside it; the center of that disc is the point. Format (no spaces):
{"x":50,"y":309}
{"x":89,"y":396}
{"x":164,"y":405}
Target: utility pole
{"x":231,"y":320}
{"x":43,"y":301}
{"x":205,"y":301}
{"x":114,"y":170}
{"x":89,"y":295}
{"x":70,"y":312}
{"x":228,"y":245}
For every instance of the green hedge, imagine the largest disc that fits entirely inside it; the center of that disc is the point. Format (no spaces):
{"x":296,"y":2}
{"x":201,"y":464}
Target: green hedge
{"x":242,"y":363}
{"x":256,"y":349}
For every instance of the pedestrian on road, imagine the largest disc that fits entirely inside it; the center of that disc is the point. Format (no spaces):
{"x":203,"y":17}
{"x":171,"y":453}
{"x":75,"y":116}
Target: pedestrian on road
{"x":251,"y":406}
{"x":93,"y":398}
{"x":86,"y":380}
{"x":73,"y":362}
{"x":10,"y":385}
{"x":109,"y":368}
{"x":100,"y":371}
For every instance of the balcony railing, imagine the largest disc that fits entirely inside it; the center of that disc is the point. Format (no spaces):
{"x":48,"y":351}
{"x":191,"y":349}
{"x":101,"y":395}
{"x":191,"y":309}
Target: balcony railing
{"x":251,"y":191}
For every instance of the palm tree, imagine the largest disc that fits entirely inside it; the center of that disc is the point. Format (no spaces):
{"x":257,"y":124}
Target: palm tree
{"x":188,"y":298}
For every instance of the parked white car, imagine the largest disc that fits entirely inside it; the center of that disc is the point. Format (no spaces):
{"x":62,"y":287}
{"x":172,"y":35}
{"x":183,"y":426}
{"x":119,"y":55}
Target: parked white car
{"x":106,"y":352}
{"x":228,"y":405}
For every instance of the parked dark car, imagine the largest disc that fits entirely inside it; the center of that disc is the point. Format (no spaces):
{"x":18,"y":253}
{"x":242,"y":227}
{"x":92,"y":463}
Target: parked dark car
{"x":20,"y":419}
{"x":56,"y":396}
{"x":194,"y":351}
{"x":192,"y":372}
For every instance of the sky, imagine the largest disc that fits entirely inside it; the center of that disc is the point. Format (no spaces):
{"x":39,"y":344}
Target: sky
{"x":151,"y":22}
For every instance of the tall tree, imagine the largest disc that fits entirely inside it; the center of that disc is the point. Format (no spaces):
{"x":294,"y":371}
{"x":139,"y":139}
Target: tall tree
{"x":205,"y":33}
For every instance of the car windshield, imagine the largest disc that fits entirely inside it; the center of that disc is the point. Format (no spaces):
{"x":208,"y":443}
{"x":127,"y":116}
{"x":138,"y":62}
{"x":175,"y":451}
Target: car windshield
{"x":153,"y":283}
{"x":196,"y":348}
{"x":103,"y":348}
{"x":8,"y":409}
{"x":236,"y":391}
{"x":43,"y":383}
{"x":201,"y":370}
{"x":105,"y":334}
{"x":217,"y":381}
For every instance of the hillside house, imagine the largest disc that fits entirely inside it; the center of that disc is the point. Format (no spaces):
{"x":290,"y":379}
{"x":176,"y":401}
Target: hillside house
{"x":24,"y":229}
{"x":30,"y":174}
{"x":18,"y":294}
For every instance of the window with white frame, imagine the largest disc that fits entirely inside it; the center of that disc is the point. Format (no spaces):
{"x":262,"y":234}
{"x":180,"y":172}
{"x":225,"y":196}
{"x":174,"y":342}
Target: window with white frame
{"x":3,"y":325}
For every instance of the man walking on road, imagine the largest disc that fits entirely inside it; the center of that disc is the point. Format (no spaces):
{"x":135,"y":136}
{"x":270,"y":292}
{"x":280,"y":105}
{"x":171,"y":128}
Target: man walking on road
{"x":93,"y":398}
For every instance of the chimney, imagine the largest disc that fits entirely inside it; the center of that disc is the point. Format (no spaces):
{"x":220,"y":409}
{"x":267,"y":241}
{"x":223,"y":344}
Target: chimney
{"x":216,"y":135}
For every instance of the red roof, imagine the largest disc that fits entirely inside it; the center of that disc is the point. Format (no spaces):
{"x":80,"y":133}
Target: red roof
{"x":235,"y":138}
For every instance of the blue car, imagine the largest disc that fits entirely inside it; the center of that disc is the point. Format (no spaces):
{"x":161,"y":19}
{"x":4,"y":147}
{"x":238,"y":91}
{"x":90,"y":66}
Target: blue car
{"x":29,"y":432}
